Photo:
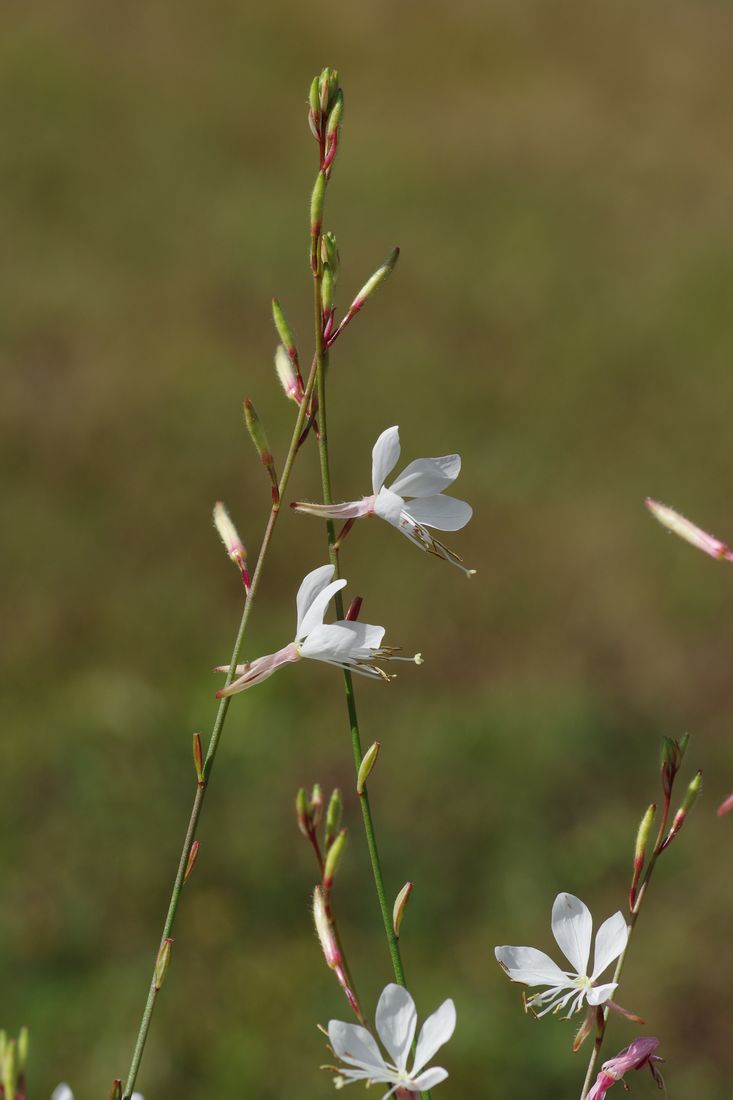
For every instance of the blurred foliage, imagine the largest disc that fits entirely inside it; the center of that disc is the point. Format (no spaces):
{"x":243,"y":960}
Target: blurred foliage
{"x":558,"y":177}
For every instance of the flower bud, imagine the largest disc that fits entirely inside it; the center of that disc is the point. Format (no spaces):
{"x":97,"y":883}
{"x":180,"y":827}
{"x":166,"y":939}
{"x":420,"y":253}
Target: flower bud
{"x":9,"y":1068}
{"x":314,"y":108}
{"x":316,"y":216}
{"x":398,"y":910}
{"x":302,"y":813}
{"x":258,"y":437}
{"x":726,"y":806}
{"x":232,"y":542}
{"x":193,"y":855}
{"x":380,"y":275}
{"x":689,"y":800}
{"x":688,"y":531}
{"x":162,"y":962}
{"x":671,"y":760}
{"x":283,"y":330}
{"x":315,"y":808}
{"x":325,"y":930}
{"x":290,"y":379}
{"x":333,"y":817}
{"x":642,"y":839}
{"x":365,"y":768}
{"x":330,"y":253}
{"x":328,"y":88}
{"x":23,"y":1040}
{"x":333,"y":859}
{"x":198,"y":757}
{"x":327,"y":290}
{"x":3,"y":1044}
{"x":115,"y":1093}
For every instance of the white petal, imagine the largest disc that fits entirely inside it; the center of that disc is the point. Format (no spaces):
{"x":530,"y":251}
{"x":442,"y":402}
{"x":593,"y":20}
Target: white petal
{"x":600,"y":993}
{"x":314,"y":615}
{"x":396,"y":1020}
{"x":62,"y":1092}
{"x":530,"y":966}
{"x":310,"y":586}
{"x":426,"y":476}
{"x":355,"y":1046}
{"x":365,"y":637}
{"x":430,"y":1078}
{"x":572,"y":927}
{"x":385,"y":454}
{"x":610,"y":941}
{"x":436,"y":1031}
{"x":338,"y":641}
{"x":445,"y":513}
{"x":389,"y":506}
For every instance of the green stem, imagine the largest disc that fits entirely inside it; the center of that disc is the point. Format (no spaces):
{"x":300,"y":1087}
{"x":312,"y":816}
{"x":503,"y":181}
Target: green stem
{"x":601,"y":1033}
{"x":216,"y":733}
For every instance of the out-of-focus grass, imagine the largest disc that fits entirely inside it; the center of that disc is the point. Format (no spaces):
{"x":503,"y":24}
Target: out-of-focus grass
{"x":558,"y":178}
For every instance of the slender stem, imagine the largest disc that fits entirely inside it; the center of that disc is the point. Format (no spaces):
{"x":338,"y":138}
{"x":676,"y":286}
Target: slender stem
{"x":603,"y":1020}
{"x":216,"y":733}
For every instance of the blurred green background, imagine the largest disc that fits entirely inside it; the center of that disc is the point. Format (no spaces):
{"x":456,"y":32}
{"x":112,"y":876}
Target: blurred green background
{"x":559,"y":178}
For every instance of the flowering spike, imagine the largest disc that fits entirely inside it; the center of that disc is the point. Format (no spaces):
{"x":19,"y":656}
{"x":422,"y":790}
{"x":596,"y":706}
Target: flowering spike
{"x":162,"y":962}
{"x":302,"y":812}
{"x":398,"y":910}
{"x":258,"y":437}
{"x":315,"y":807}
{"x":726,"y":806}
{"x":333,"y":859}
{"x":642,"y":839}
{"x":232,"y":542}
{"x":688,"y":531}
{"x":318,"y":198}
{"x":193,"y":855}
{"x":333,"y":817}
{"x":689,"y":800}
{"x":198,"y":758}
{"x":365,"y":768}
{"x":115,"y":1093}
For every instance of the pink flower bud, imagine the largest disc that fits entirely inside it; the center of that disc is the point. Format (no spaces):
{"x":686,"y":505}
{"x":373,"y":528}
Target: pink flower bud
{"x":688,"y":531}
{"x":639,"y":1054}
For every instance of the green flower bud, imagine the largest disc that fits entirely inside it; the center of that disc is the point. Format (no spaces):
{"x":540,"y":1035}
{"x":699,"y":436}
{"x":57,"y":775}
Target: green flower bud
{"x":10,"y":1069}
{"x":333,"y":817}
{"x":115,"y":1093}
{"x":365,"y":768}
{"x":327,"y":290}
{"x":333,"y":859}
{"x":162,"y":963}
{"x":330,"y":253}
{"x":301,"y":812}
{"x":398,"y":910}
{"x":316,"y":805}
{"x":334,"y":118}
{"x":258,"y":437}
{"x":23,"y":1040}
{"x":283,"y":329}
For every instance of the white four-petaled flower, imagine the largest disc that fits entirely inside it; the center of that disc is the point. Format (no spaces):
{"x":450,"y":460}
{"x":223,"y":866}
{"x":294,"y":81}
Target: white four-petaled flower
{"x":413,"y":502}
{"x":350,"y":645}
{"x":396,"y":1020}
{"x":572,"y":927}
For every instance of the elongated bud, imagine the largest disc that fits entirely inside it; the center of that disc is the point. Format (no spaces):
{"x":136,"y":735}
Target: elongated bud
{"x":691,"y":796}
{"x":290,"y":379}
{"x":671,"y":760}
{"x":354,"y":609}
{"x":115,"y":1093}
{"x":330,"y":254}
{"x":333,"y":859}
{"x":10,"y":1068}
{"x":283,"y":330}
{"x":302,"y":812}
{"x":198,"y":757}
{"x":726,"y":806}
{"x":334,"y":118}
{"x":3,"y":1044}
{"x":333,"y":817}
{"x":162,"y":962}
{"x":316,"y":805}
{"x":314,"y":109}
{"x":328,"y":88}
{"x":23,"y":1040}
{"x":317,"y":200}
{"x":365,"y":768}
{"x":232,"y":542}
{"x":380,"y":275}
{"x":642,"y":840}
{"x":258,"y":437}
{"x":688,"y":531}
{"x":325,"y":930}
{"x":398,"y":910}
{"x":327,"y":290}
{"x":193,"y":855}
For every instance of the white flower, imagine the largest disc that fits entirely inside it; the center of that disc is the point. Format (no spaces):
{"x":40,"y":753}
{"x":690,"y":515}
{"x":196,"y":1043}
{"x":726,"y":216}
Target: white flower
{"x":396,"y":1020}
{"x":350,"y":645}
{"x":572,"y":927}
{"x":63,"y":1092}
{"x":413,"y":502}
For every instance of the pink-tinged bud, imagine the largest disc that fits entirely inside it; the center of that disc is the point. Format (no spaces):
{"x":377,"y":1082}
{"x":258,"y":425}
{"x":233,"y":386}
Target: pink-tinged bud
{"x":325,"y":930}
{"x":354,"y":609}
{"x":315,"y":808}
{"x":691,"y":796}
{"x":688,"y":531}
{"x":162,"y":962}
{"x":673,"y":753}
{"x":380,"y":275}
{"x":232,"y":542}
{"x":365,"y":768}
{"x":333,"y":817}
{"x":193,"y":855}
{"x":639,"y":1054}
{"x":198,"y":757}
{"x":642,"y":839}
{"x":115,"y":1093}
{"x":335,"y":852}
{"x":318,"y":198}
{"x":284,"y":331}
{"x":398,"y":910}
{"x":290,"y":379}
{"x":726,"y":806}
